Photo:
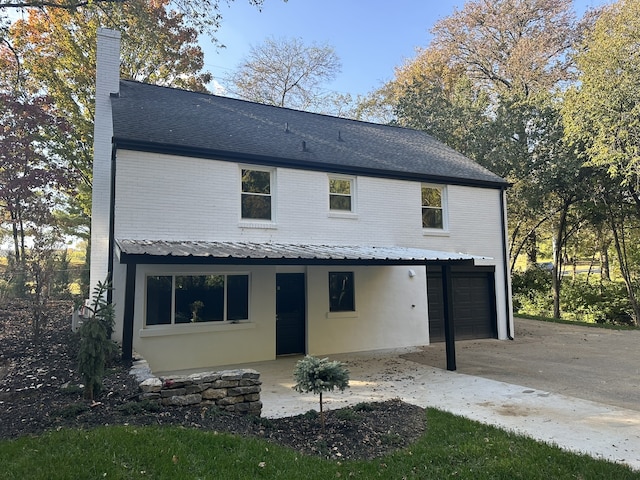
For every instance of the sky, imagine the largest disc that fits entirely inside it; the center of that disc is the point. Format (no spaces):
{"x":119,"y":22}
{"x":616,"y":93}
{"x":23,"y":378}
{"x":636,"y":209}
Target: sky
{"x":371,"y":37}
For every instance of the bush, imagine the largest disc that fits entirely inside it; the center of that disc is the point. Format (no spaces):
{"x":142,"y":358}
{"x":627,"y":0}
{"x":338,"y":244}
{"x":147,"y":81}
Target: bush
{"x":605,"y":302}
{"x":532,"y":292}
{"x":320,"y":375}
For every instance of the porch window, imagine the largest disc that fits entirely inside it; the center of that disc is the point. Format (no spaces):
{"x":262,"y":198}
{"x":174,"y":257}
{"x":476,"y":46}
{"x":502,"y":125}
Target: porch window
{"x":180,"y":299}
{"x":256,"y":197}
{"x":433,"y":207}
{"x":341,"y":194}
{"x":341,"y":292}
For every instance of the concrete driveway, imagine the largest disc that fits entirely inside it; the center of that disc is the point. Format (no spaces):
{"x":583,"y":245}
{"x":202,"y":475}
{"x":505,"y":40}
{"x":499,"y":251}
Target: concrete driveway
{"x":573,"y":386}
{"x":583,"y":362}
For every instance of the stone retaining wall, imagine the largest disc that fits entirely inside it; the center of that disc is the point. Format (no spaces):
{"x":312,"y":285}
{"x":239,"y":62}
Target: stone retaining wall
{"x":231,"y":390}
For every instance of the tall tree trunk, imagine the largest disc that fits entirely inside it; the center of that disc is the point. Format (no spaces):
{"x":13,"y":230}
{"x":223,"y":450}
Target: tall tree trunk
{"x":619,"y":242}
{"x":558,"y":245}
{"x":604,"y":260}
{"x":16,"y":243}
{"x":532,"y":250}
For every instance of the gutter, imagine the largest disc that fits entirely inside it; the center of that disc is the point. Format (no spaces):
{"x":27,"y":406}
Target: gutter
{"x":503,"y":219}
{"x":112,"y":210}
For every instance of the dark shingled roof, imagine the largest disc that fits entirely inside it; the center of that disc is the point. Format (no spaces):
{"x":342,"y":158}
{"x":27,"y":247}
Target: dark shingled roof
{"x":166,"y":120}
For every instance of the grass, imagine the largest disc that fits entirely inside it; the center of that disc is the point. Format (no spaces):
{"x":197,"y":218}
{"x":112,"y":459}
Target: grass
{"x":607,"y":326}
{"x":452,"y":447}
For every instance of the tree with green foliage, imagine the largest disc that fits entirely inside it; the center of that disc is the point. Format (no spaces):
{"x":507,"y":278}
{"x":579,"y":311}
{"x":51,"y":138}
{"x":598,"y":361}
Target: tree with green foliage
{"x":32,"y":170}
{"x":204,"y":16}
{"x":57,"y":50}
{"x":317,"y":375}
{"x":488,"y":85}
{"x":96,"y":345}
{"x":52,"y":51}
{"x":602,"y":111}
{"x":602,"y":119}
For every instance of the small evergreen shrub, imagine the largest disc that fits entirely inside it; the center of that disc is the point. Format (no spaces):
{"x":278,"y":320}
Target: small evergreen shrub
{"x":320,"y":375}
{"x":96,"y":345}
{"x":134,"y":408}
{"x":346,"y":414}
{"x":363,"y":407}
{"x":70,"y":411}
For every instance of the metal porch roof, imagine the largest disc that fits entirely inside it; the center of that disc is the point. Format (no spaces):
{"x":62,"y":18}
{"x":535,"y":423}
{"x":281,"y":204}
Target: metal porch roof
{"x":160,"y":251}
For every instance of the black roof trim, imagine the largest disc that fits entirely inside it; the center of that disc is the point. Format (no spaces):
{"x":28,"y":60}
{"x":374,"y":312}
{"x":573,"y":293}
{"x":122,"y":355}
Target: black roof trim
{"x":193,"y":152}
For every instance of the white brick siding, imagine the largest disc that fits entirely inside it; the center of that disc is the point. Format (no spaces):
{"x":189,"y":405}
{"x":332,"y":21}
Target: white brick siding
{"x":178,"y":198}
{"x":107,"y":82}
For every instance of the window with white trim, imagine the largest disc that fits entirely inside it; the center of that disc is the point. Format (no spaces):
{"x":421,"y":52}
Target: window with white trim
{"x":257,"y":194}
{"x":180,"y":299}
{"x":341,"y":194}
{"x":434,"y":207}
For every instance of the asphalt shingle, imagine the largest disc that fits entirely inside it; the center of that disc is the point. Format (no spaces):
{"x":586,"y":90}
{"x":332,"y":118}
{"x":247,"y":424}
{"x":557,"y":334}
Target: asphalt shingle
{"x":149,"y":117}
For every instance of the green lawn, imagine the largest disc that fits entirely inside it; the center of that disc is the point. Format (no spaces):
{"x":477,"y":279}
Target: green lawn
{"x":452,"y":447}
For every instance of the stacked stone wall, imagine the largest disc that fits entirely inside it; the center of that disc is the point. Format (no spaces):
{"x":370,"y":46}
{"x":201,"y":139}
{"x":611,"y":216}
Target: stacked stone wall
{"x":235,"y":391}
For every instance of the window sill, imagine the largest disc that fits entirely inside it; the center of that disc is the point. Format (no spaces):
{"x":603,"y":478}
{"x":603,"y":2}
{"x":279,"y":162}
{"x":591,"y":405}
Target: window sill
{"x":353,"y":314}
{"x":349,"y":215}
{"x":256,"y":224}
{"x":168,"y":330}
{"x":432,"y":232}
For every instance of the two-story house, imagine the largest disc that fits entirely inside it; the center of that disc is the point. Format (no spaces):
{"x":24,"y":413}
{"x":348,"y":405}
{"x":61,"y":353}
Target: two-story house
{"x":236,"y":232}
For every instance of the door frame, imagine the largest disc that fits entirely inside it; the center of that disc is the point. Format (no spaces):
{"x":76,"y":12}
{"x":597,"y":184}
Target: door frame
{"x":303,"y":320}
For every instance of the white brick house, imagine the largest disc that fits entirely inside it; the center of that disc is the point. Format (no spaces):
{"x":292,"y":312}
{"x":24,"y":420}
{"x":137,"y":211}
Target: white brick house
{"x":236,"y":232}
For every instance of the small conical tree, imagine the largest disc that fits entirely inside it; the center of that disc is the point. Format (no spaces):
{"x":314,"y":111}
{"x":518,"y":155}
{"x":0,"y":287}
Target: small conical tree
{"x":95,"y":341}
{"x":320,"y":375}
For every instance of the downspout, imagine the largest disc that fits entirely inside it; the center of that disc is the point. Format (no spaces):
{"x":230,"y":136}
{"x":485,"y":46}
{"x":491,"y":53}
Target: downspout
{"x":112,"y":223}
{"x":505,"y":263}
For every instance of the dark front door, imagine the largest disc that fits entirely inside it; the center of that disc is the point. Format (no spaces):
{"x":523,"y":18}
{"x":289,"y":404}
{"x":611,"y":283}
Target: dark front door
{"x":290,"y":313}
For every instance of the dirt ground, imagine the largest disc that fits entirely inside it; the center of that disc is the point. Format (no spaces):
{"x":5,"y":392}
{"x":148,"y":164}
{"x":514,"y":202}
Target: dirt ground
{"x":583,"y":362}
{"x":40,"y":389}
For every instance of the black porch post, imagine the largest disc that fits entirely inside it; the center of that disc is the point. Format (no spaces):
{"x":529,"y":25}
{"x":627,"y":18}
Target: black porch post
{"x":447,"y":310}
{"x":129,"y":303}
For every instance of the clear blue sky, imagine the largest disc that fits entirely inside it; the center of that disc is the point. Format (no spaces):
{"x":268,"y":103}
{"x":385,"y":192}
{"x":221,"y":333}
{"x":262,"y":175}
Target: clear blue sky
{"x":371,"y":37}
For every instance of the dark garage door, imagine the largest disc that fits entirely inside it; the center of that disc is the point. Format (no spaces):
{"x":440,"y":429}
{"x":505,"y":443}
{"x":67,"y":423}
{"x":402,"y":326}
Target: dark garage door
{"x":474,"y":309}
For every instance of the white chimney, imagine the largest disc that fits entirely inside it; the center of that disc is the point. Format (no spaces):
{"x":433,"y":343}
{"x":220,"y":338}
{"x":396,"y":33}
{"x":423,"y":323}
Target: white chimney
{"x":107,"y":83}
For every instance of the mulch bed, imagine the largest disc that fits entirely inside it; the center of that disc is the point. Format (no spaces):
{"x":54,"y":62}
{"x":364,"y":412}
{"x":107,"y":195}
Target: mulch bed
{"x":40,"y":390}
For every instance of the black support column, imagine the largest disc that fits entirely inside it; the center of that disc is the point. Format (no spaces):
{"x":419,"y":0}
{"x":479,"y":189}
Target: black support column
{"x":129,"y":304}
{"x":447,"y":309}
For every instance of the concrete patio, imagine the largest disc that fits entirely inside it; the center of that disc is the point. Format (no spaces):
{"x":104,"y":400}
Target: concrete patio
{"x":579,"y":425}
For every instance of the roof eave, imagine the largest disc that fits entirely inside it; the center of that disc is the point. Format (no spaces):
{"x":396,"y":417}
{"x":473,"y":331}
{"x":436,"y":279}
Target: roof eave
{"x":194,"y":152}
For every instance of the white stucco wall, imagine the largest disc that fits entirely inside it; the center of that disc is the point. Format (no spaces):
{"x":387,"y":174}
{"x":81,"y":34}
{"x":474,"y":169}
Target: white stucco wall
{"x":391,"y":312}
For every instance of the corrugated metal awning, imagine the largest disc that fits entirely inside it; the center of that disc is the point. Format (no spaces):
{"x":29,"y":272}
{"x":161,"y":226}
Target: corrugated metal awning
{"x":160,"y":251}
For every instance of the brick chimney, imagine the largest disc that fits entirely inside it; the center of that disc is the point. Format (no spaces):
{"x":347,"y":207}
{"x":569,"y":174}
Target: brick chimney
{"x":107,"y":83}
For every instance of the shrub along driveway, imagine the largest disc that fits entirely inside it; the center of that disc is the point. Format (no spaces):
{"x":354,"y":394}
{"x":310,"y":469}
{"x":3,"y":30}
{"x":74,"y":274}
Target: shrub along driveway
{"x":590,"y":363}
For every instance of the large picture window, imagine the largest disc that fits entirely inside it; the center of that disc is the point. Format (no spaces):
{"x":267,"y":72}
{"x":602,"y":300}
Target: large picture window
{"x":341,"y":194}
{"x":433,"y":207}
{"x":341,"y":292}
{"x":179,"y":299}
{"x":256,"y":198}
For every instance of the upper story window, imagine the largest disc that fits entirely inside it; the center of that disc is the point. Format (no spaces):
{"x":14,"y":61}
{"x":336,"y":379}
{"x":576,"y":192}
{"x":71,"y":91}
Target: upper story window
{"x":434,"y":213}
{"x":341,"y":194}
{"x":257,"y":199}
